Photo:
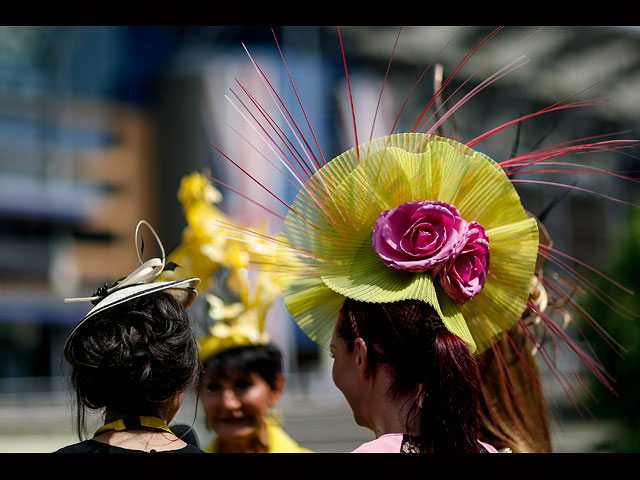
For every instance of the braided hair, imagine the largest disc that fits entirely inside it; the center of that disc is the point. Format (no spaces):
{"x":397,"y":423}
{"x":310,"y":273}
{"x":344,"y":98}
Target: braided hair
{"x":134,"y":357}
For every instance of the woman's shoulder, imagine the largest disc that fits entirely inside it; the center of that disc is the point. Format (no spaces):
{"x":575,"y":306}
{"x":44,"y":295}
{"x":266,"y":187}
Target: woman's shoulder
{"x":281,"y":442}
{"x":188,"y":448}
{"x":403,"y":443}
{"x":488,"y":447}
{"x":388,"y":443}
{"x":88,"y":446}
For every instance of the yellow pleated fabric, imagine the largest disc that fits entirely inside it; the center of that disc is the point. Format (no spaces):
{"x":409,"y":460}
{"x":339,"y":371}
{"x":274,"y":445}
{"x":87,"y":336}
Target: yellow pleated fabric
{"x":327,"y":254}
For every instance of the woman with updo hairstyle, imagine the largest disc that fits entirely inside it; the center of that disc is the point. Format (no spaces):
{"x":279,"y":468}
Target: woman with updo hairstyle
{"x":132,"y":358}
{"x":407,"y":378}
{"x":136,"y":359}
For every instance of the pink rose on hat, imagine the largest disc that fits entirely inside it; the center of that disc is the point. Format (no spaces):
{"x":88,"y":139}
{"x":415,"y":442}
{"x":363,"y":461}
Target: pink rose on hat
{"x":419,"y":236}
{"x":463,"y":277}
{"x":431,"y":236}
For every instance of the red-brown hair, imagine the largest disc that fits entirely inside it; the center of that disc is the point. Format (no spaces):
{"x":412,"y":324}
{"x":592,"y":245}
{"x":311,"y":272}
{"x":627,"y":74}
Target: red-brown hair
{"x":410,"y":340}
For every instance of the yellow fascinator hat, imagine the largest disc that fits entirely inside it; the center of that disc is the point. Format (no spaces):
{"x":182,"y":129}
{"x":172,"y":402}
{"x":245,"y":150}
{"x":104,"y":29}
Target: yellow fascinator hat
{"x":139,"y":283}
{"x":239,"y":324}
{"x":219,"y":251}
{"x":409,"y":216}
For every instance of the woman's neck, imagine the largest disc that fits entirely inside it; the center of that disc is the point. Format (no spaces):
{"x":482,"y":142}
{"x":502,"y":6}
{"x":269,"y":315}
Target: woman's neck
{"x":385,"y":414}
{"x":113,"y":416}
{"x":138,"y":439}
{"x":141,"y":440}
{"x":390,"y":420}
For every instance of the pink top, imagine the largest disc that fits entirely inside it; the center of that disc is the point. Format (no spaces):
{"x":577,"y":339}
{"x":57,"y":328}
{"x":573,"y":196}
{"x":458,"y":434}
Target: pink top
{"x":392,"y":443}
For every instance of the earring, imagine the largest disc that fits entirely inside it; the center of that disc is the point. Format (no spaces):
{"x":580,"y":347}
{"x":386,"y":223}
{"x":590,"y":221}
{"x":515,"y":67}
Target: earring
{"x":275,"y":414}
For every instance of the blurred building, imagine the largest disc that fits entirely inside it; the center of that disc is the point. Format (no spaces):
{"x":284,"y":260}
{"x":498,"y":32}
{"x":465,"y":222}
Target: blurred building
{"x":76,"y":173}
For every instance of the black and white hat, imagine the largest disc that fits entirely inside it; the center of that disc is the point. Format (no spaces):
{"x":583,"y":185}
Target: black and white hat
{"x":137,"y":284}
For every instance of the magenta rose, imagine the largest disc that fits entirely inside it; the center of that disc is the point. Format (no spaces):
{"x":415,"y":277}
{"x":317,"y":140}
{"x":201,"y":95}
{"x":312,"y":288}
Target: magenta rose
{"x":463,"y":276}
{"x":419,"y":236}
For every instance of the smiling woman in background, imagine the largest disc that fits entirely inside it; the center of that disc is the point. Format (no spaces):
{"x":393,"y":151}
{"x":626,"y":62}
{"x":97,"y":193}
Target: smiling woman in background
{"x":240,"y":386}
{"x":242,"y":380}
{"x":242,"y":376}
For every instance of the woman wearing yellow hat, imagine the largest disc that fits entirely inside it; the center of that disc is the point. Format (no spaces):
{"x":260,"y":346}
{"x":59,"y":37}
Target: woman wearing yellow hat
{"x":243,"y":379}
{"x":241,"y":384}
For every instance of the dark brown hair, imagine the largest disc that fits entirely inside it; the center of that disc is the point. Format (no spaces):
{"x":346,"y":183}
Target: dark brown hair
{"x":265,"y":360}
{"x":134,"y":357}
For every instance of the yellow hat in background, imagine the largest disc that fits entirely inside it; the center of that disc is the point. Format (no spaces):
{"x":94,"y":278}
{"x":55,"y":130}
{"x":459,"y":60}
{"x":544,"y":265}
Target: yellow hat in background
{"x":220,"y":251}
{"x":239,"y":324}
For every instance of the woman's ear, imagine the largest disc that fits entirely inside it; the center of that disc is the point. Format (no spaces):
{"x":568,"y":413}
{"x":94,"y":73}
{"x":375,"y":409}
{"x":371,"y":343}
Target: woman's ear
{"x":360,"y":357}
{"x":276,"y":392}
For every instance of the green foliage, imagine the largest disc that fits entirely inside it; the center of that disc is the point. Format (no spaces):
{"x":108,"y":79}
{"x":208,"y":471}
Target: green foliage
{"x":621,"y":407}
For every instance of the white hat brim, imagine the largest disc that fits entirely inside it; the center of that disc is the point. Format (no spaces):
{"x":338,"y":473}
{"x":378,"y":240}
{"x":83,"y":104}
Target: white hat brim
{"x":183,"y":291}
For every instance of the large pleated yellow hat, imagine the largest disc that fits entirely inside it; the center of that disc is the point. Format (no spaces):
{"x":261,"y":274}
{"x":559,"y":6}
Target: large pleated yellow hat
{"x":360,"y":228}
